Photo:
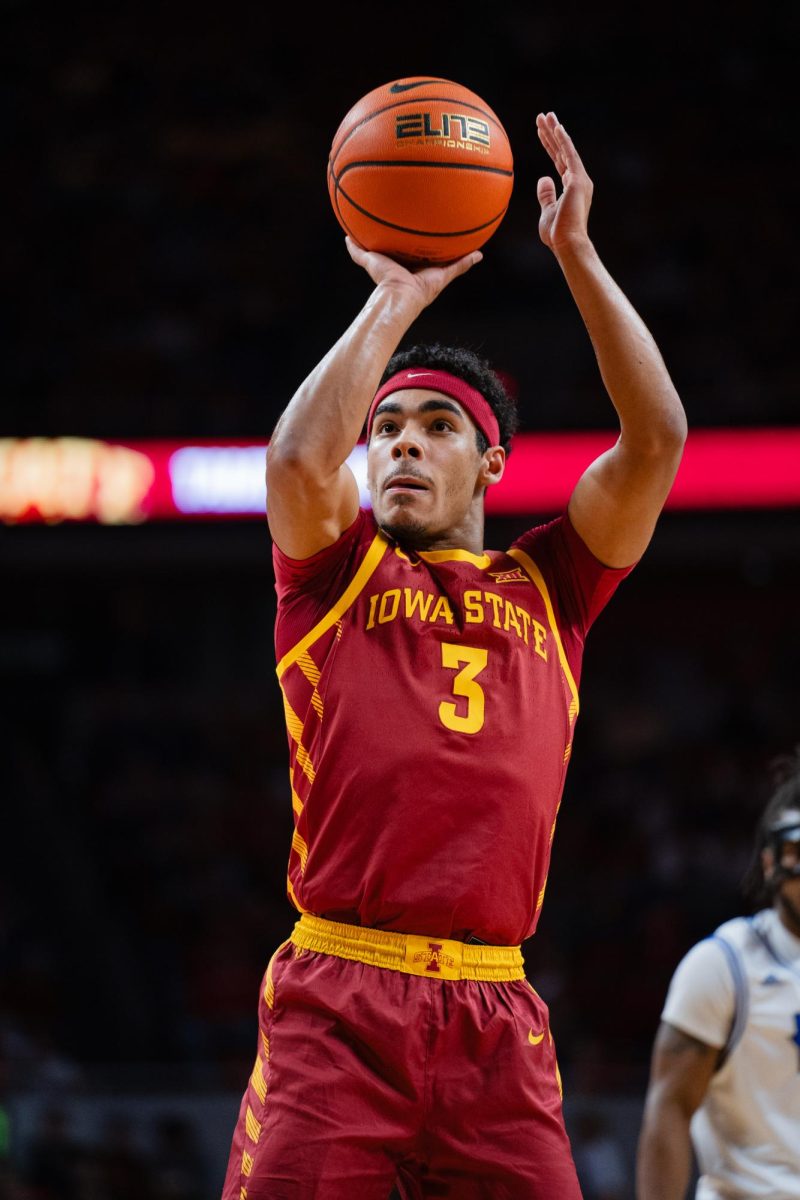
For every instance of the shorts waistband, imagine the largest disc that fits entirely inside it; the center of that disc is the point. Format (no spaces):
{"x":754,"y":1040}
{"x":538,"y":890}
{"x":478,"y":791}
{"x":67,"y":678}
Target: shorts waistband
{"x":430,"y":957}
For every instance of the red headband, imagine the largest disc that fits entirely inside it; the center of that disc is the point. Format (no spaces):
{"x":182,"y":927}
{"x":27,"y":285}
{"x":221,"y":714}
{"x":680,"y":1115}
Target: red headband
{"x":450,"y":385}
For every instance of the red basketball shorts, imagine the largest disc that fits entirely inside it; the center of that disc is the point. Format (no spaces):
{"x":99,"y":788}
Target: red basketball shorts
{"x":387,"y":1060}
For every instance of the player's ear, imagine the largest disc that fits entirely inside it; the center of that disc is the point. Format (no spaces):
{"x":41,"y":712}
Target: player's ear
{"x":493,"y":464}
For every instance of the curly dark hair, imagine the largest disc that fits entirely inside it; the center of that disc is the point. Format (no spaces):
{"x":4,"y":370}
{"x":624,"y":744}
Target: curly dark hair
{"x":785,"y":795}
{"x":474,"y":370}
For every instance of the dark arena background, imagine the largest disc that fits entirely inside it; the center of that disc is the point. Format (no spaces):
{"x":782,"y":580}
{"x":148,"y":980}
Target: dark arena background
{"x":173,"y":270}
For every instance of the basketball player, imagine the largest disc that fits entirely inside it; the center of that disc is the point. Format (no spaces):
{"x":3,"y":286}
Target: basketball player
{"x":725,"y":1074}
{"x":431,"y":692}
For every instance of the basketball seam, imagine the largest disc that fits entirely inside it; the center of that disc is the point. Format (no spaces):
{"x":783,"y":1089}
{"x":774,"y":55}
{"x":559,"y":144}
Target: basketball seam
{"x":417,"y":232}
{"x":424,"y":165}
{"x":337,"y":206}
{"x":336,"y":151}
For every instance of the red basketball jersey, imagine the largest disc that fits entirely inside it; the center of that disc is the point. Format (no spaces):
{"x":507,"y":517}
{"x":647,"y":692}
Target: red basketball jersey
{"x":430,"y":702}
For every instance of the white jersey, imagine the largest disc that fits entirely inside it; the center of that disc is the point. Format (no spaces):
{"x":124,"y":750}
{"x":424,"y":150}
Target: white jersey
{"x":740,"y":990}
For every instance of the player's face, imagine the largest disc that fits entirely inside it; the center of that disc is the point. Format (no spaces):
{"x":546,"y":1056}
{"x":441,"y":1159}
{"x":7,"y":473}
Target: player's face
{"x":787,"y":895}
{"x":425,"y":473}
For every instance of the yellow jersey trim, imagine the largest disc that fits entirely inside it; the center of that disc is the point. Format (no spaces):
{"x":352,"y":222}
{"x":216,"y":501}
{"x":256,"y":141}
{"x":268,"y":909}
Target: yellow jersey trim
{"x":258,"y":1081}
{"x":252,"y":1125}
{"x":293,"y":895}
{"x":530,"y":568}
{"x":436,"y":556}
{"x":359,"y":581}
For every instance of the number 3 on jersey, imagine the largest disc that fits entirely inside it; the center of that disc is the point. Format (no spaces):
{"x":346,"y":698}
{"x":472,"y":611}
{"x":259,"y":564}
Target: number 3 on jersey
{"x":472,"y":661}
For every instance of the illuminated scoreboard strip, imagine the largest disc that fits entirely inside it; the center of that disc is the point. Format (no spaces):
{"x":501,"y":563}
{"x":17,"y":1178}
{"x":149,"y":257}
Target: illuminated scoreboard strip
{"x":53,"y":480}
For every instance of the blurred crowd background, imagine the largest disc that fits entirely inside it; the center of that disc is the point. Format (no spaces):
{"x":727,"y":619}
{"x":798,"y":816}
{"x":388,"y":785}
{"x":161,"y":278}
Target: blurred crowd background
{"x":174,"y":269}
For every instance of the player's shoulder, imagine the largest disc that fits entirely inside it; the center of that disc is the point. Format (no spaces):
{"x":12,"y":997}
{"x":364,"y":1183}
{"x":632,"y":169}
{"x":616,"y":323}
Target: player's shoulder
{"x":362,"y":530}
{"x":706,"y":955}
{"x":544,"y":547}
{"x":330,"y":567}
{"x":702,"y":993}
{"x":541,"y":533}
{"x":717,"y":956}
{"x":734,"y":949}
{"x":558,"y":543}
{"x":746,"y":937}
{"x":737,"y":931}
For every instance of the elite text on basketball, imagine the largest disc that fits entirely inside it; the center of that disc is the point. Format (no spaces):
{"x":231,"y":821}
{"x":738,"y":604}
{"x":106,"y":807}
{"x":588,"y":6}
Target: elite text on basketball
{"x":449,"y":129}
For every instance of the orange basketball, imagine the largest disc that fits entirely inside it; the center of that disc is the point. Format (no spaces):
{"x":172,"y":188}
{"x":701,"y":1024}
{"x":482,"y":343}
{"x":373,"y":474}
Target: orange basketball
{"x":420,"y":169}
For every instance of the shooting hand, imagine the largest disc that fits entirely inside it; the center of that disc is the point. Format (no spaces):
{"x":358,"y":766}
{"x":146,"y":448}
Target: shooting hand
{"x":424,"y":282}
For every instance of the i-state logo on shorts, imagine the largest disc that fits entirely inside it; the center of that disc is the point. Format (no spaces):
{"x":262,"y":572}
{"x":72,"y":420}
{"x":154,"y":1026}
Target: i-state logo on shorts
{"x":428,"y":958}
{"x":434,"y":958}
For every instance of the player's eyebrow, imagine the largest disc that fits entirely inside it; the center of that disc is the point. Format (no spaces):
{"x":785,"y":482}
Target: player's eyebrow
{"x":427,"y":406}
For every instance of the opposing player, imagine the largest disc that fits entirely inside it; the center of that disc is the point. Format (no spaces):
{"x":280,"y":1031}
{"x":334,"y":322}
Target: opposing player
{"x":725,"y":1073}
{"x":431,"y":693}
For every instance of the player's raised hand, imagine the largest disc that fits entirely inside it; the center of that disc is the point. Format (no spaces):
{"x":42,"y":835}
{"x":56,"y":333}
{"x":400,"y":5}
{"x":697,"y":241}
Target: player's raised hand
{"x":425,"y":283}
{"x":566,"y":217}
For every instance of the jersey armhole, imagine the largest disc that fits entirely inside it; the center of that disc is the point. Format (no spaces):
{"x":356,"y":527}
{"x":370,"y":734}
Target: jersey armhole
{"x":741,"y":1000}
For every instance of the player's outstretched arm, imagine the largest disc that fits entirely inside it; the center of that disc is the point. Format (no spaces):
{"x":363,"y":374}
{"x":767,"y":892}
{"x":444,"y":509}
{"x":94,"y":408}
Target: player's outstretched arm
{"x":617,"y":501}
{"x":680,"y":1073}
{"x":312,"y":495}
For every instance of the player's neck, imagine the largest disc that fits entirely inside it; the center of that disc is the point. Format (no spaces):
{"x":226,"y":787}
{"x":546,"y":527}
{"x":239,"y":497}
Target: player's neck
{"x":460,"y":537}
{"x":465,"y":534}
{"x":473,"y":546}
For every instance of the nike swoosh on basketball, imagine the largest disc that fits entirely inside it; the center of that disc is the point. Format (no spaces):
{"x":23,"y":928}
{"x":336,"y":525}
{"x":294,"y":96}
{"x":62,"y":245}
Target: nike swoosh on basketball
{"x":535,"y":1038}
{"x":406,"y":87}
